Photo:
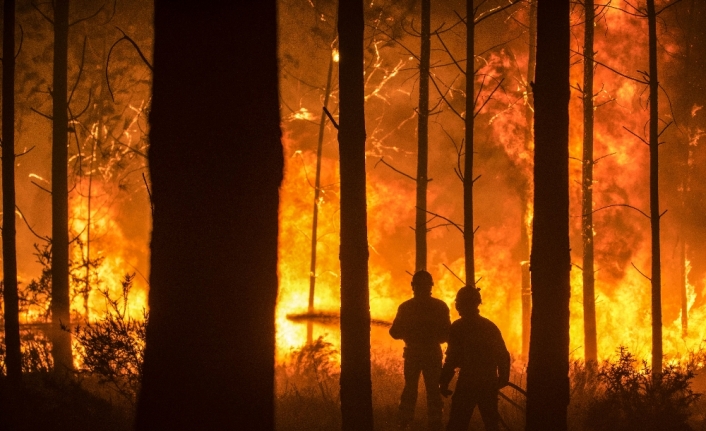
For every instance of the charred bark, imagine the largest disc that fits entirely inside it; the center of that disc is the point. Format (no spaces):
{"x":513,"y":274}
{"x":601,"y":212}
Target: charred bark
{"x":60,"y":301}
{"x":356,"y":384}
{"x":548,"y":368}
{"x":13,"y":358}
{"x":589,"y":295}
{"x":468,"y":179}
{"x":655,"y":215}
{"x":525,"y":193}
{"x":420,"y":227}
{"x":216,"y":167}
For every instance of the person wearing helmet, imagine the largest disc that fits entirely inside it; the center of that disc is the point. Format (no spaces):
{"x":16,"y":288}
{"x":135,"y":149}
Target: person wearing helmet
{"x":478,"y":349}
{"x":423,"y":324}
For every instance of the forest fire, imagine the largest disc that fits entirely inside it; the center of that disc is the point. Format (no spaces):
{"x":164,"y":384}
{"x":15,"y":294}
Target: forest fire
{"x":504,"y":161}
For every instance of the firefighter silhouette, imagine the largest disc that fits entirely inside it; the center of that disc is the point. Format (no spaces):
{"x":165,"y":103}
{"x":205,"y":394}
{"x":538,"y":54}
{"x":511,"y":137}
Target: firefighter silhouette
{"x":477,"y":348}
{"x":423,"y":324}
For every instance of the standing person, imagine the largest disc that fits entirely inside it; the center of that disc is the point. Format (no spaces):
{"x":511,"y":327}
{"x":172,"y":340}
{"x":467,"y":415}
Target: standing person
{"x":423,"y":324}
{"x":478,"y":349}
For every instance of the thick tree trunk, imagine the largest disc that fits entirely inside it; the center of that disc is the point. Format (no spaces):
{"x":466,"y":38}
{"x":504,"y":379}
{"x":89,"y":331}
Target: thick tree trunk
{"x":420,"y":227}
{"x":654,"y":194}
{"x":468,"y":179}
{"x":356,"y":385}
{"x":525,"y":194}
{"x":216,"y":167}
{"x":60,"y":302}
{"x":589,"y":296}
{"x":548,"y":368}
{"x":13,"y":358}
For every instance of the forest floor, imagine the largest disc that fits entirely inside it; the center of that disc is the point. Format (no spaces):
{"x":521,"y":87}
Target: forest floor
{"x":307,"y":398}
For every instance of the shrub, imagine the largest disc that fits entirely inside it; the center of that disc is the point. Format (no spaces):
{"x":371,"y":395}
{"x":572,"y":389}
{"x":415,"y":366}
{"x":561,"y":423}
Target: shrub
{"x":633,"y":399}
{"x":112,"y":348}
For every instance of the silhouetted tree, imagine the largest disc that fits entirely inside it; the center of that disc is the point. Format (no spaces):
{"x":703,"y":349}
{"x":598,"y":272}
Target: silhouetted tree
{"x":216,"y":167}
{"x":525,"y":193}
{"x":468,"y":180}
{"x":548,"y":367}
{"x":356,"y":385}
{"x":589,"y":280}
{"x":60,"y":301}
{"x":420,"y":225}
{"x":656,"y":278}
{"x":13,"y":358}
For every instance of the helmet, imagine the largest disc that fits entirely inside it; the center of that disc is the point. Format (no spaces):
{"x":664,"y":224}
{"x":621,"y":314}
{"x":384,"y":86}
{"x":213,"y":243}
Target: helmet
{"x":468,"y":295}
{"x":422,"y":278}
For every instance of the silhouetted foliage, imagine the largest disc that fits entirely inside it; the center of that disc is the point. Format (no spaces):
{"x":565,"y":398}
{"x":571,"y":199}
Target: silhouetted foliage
{"x":633,"y":400}
{"x":112,"y":348}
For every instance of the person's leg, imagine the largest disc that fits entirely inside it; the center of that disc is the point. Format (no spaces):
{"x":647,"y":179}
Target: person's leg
{"x":488,"y":407}
{"x":432,"y":374}
{"x":462,"y":405}
{"x":408,"y":401}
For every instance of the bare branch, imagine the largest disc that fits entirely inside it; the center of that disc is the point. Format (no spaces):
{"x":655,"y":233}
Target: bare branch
{"x":665,"y":128}
{"x":618,"y":205}
{"x":433,"y":81}
{"x":490,"y":96}
{"x":637,"y":136}
{"x":42,"y":114}
{"x":110,"y":51}
{"x":667,"y":7}
{"x":454,"y":274}
{"x":88,"y":17}
{"x":22,"y":216}
{"x":641,"y":273}
{"x":382,"y":159}
{"x":46,"y":190}
{"x":492,"y":12}
{"x":448,"y":51}
{"x":80,"y":71}
{"x":85,"y":108}
{"x":603,"y":157}
{"x":24,"y":152}
{"x":149,"y":193}
{"x":642,"y":81}
{"x":51,"y":21}
{"x":330,"y":117}
{"x":453,"y":223}
{"x":22,"y":39}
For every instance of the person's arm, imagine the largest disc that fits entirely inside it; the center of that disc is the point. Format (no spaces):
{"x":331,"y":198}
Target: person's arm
{"x":444,"y":325}
{"x":453,"y":361}
{"x":399,"y":325}
{"x":503,"y":360}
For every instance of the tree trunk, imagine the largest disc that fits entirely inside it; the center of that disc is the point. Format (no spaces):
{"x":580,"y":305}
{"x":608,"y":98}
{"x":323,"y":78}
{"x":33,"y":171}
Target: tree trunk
{"x":317,"y":190}
{"x":216,"y":167}
{"x":420,"y":228}
{"x":654,"y":194}
{"x":13,"y":358}
{"x":685,"y":103}
{"x":468,"y":180}
{"x":525,"y":193}
{"x":356,"y":385}
{"x":60,"y":303}
{"x":589,"y":296}
{"x":548,"y":368}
